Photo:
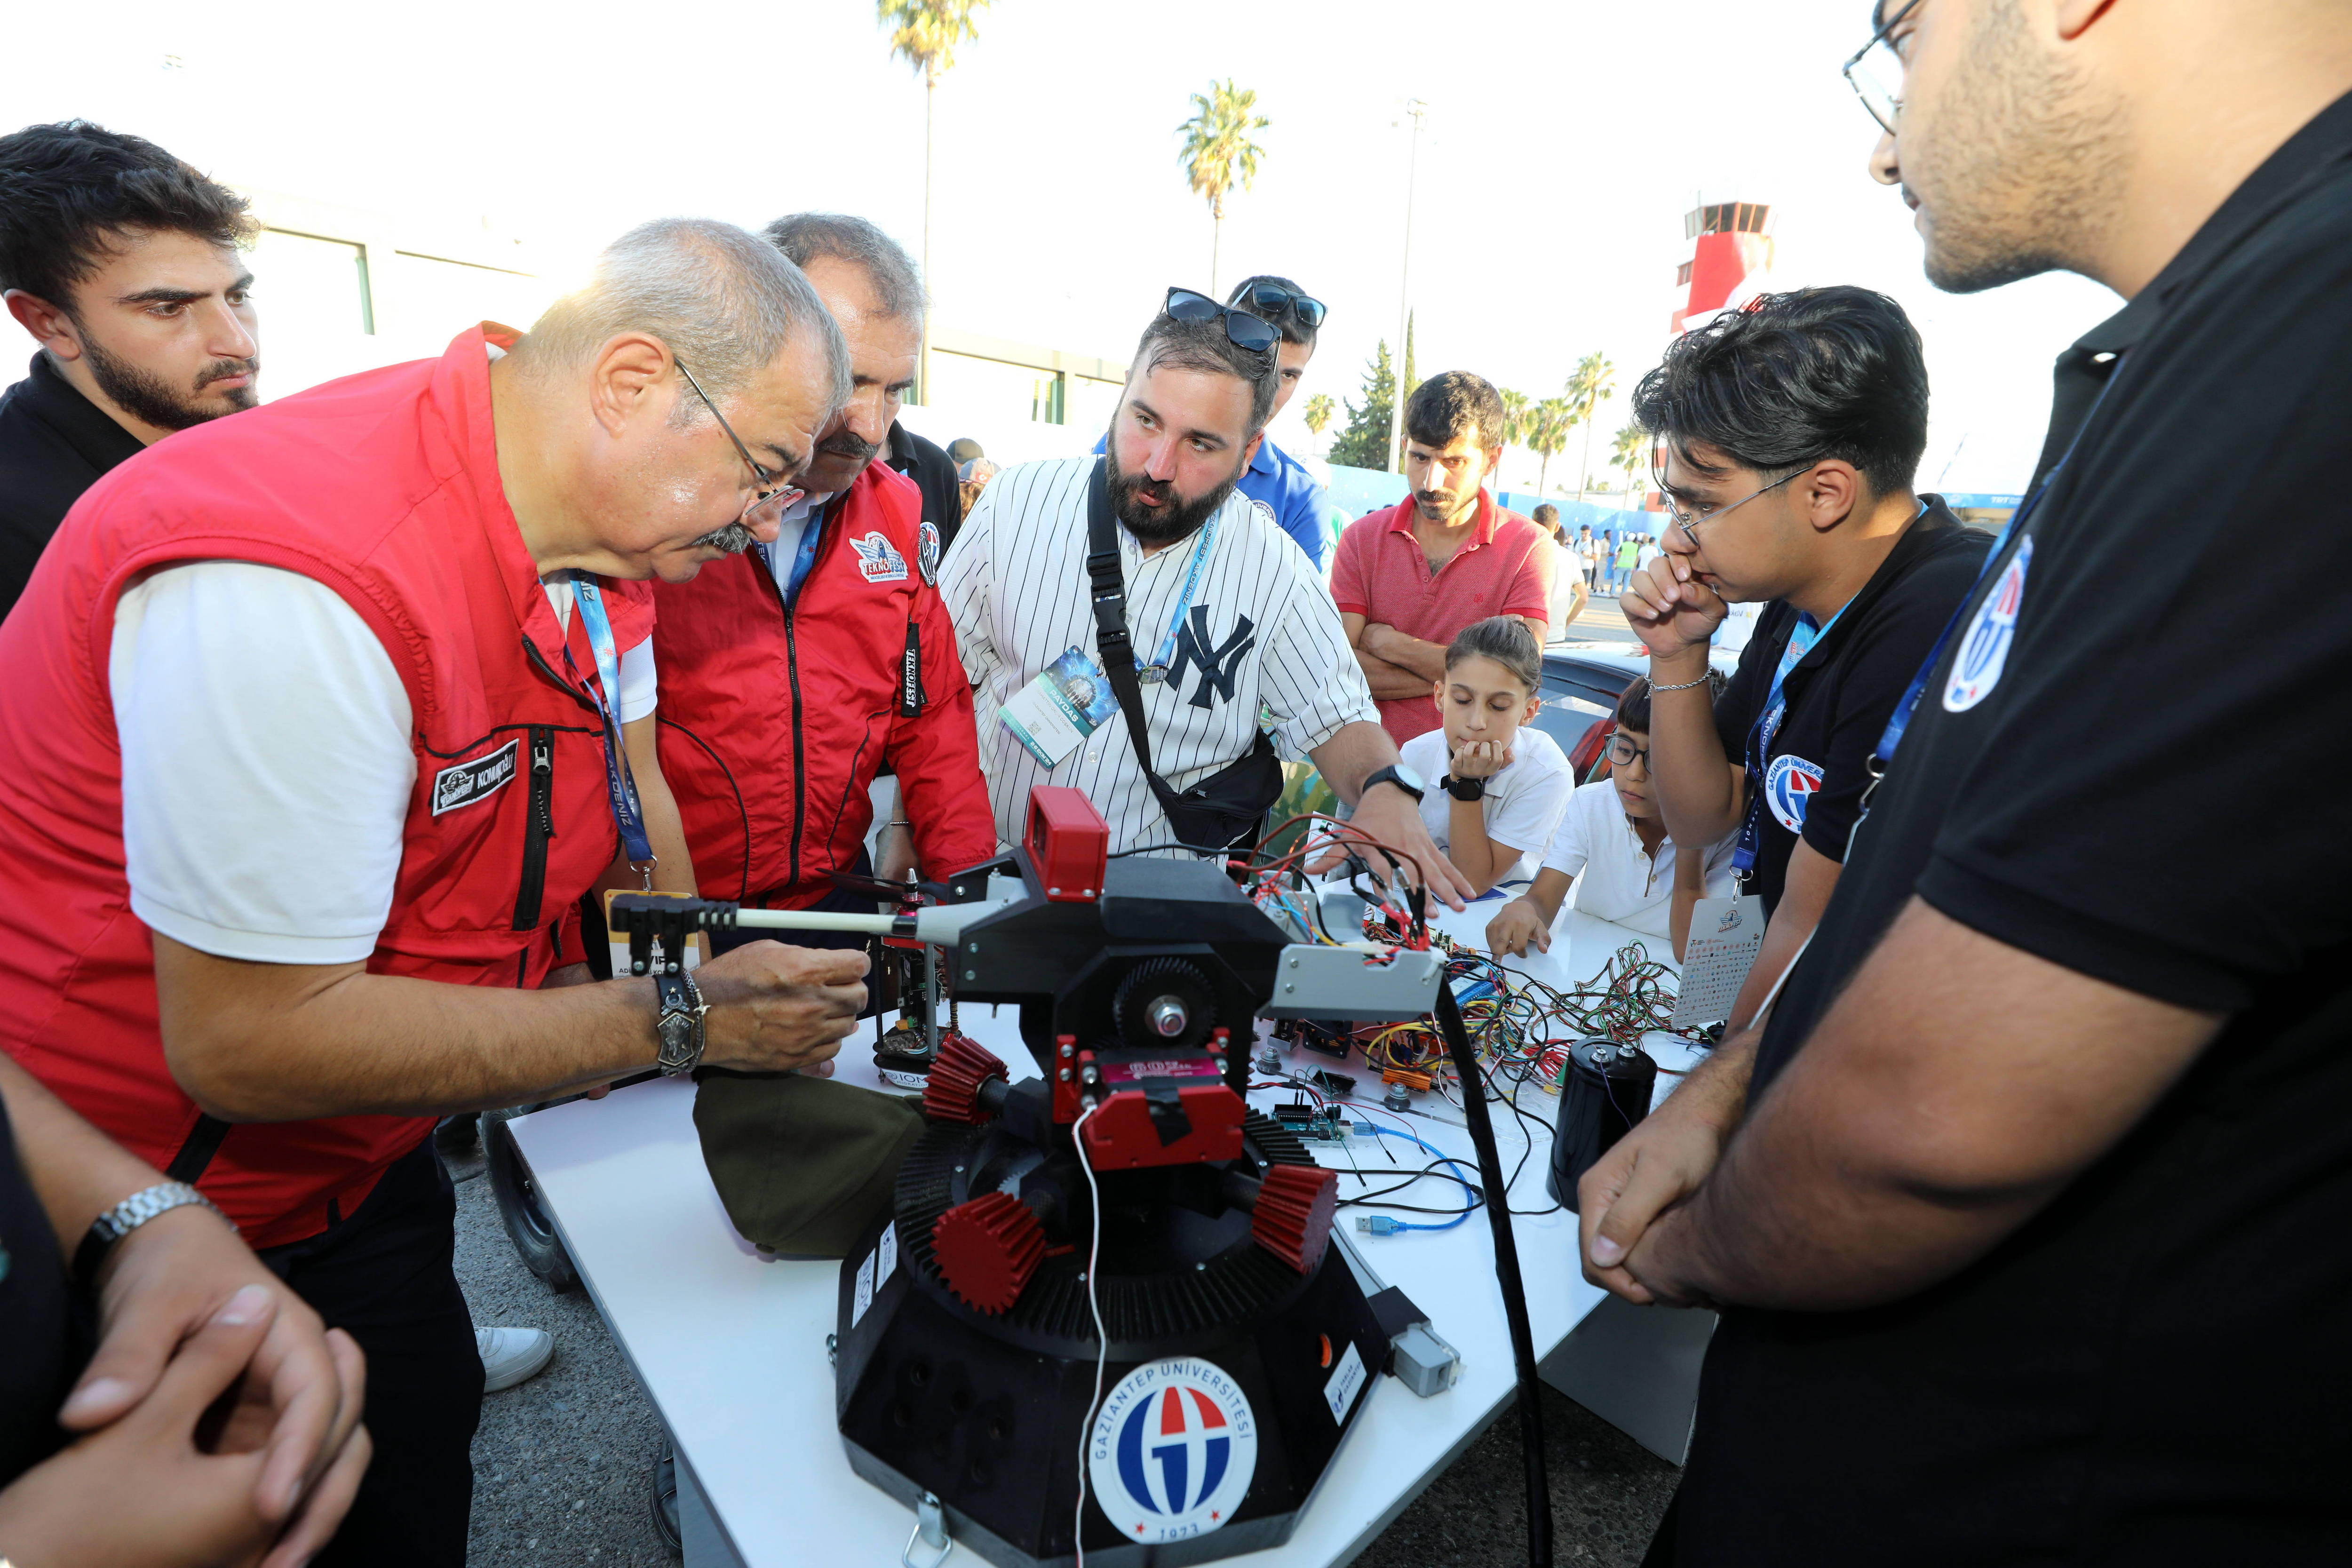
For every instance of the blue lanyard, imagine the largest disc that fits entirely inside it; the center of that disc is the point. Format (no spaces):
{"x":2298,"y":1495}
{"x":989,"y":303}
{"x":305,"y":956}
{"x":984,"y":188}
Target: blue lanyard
{"x":1802,"y":638}
{"x":1900,"y":719}
{"x":626,"y":811}
{"x":803,"y":554}
{"x":1157,"y":670}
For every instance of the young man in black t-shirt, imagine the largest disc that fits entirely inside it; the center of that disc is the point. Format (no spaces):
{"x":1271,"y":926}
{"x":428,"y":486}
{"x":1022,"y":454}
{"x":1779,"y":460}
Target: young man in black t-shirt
{"x":1788,"y":436}
{"x":2030,"y":1244}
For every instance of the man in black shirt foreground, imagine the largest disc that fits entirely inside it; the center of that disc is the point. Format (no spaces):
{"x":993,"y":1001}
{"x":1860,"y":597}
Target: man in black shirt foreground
{"x":2031,"y":1243}
{"x":1788,"y":436}
{"x":121,"y":262}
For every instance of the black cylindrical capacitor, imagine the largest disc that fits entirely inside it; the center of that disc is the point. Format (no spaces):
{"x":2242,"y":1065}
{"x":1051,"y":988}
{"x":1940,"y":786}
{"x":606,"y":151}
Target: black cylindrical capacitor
{"x":1607,"y":1090}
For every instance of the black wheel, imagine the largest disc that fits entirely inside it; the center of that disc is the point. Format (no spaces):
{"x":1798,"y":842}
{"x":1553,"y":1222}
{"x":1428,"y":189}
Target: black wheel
{"x":528,"y":1226}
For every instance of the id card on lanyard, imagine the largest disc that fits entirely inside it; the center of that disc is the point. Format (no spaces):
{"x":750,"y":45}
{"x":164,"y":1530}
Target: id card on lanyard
{"x":628,"y":814}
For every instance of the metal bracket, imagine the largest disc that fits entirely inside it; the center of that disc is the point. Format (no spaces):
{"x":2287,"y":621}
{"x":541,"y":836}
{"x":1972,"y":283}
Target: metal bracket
{"x":1361,"y":983}
{"x":931,"y":1529}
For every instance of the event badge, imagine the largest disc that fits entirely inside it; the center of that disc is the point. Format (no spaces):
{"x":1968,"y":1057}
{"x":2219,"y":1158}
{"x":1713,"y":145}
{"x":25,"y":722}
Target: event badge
{"x":1069,"y":700}
{"x":1725,"y":936}
{"x":696,"y":946}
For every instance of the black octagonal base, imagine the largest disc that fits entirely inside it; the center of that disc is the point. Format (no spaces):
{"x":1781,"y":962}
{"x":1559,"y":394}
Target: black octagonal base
{"x":931,"y":1401}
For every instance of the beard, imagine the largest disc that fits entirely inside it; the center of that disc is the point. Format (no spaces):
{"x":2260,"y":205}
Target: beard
{"x":1175,"y":518}
{"x":147,"y":397}
{"x":2027,"y":162}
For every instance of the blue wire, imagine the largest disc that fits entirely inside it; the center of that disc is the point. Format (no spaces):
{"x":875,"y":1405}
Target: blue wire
{"x":1469,"y":1186}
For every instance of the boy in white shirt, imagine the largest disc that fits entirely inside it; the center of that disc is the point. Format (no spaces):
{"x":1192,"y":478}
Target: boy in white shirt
{"x":1497,"y":789}
{"x":1612,"y":842}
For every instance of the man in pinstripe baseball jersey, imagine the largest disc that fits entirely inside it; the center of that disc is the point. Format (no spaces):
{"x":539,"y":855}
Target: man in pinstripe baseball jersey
{"x":1226,"y":615}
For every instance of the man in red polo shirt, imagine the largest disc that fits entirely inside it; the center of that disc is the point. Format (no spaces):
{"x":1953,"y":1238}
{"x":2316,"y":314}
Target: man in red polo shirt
{"x":314,"y":725}
{"x":792,"y":674}
{"x":1409,"y":578}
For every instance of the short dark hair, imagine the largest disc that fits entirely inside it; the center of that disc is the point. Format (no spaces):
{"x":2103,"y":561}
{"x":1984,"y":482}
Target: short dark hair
{"x":1634,"y":702}
{"x":805,"y":236}
{"x":1203,"y":346}
{"x":1509,"y":641}
{"x":1454,"y":403}
{"x":66,"y":189}
{"x":1292,"y":329}
{"x":1545,"y":516}
{"x":1795,"y":379}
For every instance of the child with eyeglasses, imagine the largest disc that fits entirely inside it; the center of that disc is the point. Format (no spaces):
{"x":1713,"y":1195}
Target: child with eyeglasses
{"x":1611,"y":843}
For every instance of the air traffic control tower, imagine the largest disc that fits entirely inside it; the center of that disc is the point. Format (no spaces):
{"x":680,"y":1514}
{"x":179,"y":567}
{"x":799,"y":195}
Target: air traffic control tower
{"x":1730,"y":260}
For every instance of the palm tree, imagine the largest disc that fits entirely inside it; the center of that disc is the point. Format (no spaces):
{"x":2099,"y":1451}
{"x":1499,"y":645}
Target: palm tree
{"x":1588,"y":385}
{"x":1630,"y":451}
{"x":1218,"y":153}
{"x":1319,"y":410}
{"x":1515,"y":417}
{"x":925,"y":33}
{"x":1544,"y":431}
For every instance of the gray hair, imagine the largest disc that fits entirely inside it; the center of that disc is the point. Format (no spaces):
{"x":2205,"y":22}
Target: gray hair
{"x":726,"y":303}
{"x":805,"y":236}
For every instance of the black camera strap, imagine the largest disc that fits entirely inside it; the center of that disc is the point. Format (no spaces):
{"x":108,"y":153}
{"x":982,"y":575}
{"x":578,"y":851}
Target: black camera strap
{"x":1112,"y":643}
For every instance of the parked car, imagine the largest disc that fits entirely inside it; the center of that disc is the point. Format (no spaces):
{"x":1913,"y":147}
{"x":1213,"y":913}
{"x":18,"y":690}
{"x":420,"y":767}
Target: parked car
{"x":1582,"y":683}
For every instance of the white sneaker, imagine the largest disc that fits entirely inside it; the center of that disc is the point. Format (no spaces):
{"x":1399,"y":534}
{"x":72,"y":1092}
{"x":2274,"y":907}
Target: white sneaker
{"x":512,"y":1355}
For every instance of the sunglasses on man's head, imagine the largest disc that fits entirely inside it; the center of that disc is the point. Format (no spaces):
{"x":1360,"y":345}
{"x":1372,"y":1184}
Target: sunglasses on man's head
{"x":1271,"y":300}
{"x":1243,"y":330}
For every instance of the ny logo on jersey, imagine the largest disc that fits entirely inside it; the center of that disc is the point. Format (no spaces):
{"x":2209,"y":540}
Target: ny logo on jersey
{"x":1217,"y":666}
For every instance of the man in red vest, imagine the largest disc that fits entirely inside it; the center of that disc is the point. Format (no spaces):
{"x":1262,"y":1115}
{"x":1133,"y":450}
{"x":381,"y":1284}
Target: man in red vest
{"x":314,"y":725}
{"x":795,"y":673}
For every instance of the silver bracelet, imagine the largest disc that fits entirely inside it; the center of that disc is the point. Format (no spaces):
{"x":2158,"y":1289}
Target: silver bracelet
{"x":128,"y":1215}
{"x":1683,"y":685}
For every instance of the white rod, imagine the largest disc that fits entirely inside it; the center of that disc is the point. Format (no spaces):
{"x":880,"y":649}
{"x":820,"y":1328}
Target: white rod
{"x":814,"y":920}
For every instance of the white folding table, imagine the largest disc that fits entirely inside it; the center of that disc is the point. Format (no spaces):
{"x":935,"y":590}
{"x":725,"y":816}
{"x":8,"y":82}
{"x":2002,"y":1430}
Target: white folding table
{"x":731,"y":1347}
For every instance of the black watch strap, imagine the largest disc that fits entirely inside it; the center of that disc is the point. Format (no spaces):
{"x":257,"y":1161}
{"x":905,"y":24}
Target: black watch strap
{"x":1389,"y":775}
{"x":1465,"y":789}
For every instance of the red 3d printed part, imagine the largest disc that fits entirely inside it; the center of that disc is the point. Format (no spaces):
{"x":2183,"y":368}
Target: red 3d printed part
{"x":1069,"y":843}
{"x":951,"y":1093}
{"x":1293,"y":1218}
{"x":988,"y":1247}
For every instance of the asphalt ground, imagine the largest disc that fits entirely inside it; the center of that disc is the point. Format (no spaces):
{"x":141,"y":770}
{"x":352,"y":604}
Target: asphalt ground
{"x":562,"y":1464}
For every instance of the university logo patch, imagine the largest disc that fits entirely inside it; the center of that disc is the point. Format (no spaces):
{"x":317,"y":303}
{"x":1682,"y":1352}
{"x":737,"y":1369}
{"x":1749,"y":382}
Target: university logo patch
{"x":1984,"y":652}
{"x":1172,"y":1450}
{"x":463,"y":784}
{"x":878,"y":560}
{"x":1789,"y":786}
{"x":927,"y":550}
{"x":1266,"y":512}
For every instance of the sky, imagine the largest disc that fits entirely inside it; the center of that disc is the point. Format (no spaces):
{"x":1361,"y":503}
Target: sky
{"x":1563,"y":142}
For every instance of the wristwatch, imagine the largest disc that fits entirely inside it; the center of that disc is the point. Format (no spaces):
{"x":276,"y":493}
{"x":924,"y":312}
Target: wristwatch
{"x":679,"y":1027}
{"x":1396,"y":773}
{"x":127,"y":1216}
{"x":1465,"y":789}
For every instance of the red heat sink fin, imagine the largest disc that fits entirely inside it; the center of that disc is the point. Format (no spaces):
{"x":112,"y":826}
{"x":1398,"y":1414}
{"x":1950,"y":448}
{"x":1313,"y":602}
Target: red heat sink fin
{"x":1293,"y":1218}
{"x":988,"y":1247}
{"x":952,"y":1090}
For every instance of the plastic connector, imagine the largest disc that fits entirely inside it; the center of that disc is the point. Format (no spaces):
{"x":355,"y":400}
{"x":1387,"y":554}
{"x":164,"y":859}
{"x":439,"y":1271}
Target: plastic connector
{"x":1381,"y":1224}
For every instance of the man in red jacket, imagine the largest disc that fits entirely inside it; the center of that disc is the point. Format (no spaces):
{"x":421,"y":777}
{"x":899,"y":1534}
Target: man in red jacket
{"x":795,"y":674}
{"x":314,"y":725}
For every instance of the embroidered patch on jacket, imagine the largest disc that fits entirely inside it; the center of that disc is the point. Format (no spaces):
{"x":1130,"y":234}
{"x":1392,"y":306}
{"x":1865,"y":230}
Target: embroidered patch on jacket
{"x":463,"y":784}
{"x":927,"y":550}
{"x":878,"y":560}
